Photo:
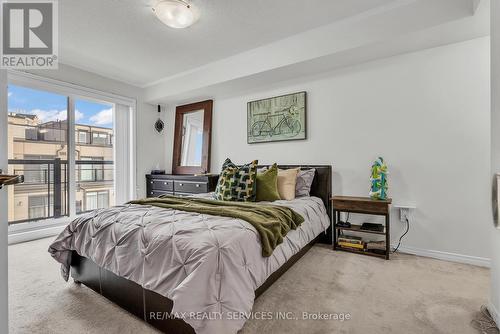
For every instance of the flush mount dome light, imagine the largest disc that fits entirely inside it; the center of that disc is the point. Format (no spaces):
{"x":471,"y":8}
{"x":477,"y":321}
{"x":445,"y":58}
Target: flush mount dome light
{"x":176,"y":13}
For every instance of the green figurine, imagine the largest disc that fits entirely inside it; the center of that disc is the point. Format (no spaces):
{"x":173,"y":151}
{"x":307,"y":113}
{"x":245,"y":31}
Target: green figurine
{"x":378,"y":180}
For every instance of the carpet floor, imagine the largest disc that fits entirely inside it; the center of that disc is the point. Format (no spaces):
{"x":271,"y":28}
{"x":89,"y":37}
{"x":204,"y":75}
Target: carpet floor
{"x":408,"y":294}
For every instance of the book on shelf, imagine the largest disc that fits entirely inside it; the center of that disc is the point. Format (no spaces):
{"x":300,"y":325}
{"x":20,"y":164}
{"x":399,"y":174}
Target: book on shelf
{"x":354,"y":237}
{"x":349,"y":240}
{"x":351,"y":245}
{"x":354,"y":249}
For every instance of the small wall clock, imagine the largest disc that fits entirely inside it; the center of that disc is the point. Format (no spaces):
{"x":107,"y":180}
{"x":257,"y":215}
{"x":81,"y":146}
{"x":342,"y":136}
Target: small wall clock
{"x":159,"y":124}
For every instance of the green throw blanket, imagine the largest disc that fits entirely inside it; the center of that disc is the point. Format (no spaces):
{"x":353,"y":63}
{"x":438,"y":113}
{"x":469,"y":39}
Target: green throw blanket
{"x":271,"y":221}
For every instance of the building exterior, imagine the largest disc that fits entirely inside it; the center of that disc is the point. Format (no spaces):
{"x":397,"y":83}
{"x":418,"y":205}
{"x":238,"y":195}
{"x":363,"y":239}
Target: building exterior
{"x":39,"y":151}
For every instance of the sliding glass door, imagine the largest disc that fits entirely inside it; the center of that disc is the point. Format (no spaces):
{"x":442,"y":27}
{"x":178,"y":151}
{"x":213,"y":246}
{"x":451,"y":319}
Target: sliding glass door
{"x":94,"y":155}
{"x":41,"y":126}
{"x":37,"y":149}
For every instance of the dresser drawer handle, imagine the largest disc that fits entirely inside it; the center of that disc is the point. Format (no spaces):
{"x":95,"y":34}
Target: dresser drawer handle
{"x":151,"y":182}
{"x":181,"y":184}
{"x":197,"y":185}
{"x":165,"y":183}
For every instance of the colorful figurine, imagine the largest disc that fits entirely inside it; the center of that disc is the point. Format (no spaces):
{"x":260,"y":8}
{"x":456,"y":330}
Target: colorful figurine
{"x":378,"y":180}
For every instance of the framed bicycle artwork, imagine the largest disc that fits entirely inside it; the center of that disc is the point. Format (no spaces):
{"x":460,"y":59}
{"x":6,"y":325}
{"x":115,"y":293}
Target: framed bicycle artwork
{"x":277,"y":118}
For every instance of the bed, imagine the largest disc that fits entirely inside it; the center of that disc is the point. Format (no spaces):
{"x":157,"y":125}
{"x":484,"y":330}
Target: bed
{"x":192,"y":273}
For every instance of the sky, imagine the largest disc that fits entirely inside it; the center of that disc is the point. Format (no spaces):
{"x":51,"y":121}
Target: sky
{"x":51,"y":107}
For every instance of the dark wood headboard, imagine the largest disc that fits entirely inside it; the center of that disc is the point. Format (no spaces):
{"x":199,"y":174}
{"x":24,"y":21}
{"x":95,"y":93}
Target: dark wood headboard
{"x":321,"y":187}
{"x":322,"y":183}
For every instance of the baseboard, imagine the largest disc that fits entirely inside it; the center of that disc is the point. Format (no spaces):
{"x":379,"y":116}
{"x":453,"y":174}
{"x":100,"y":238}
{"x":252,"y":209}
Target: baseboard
{"x":453,"y":257}
{"x":494,"y":313}
{"x":15,"y":238}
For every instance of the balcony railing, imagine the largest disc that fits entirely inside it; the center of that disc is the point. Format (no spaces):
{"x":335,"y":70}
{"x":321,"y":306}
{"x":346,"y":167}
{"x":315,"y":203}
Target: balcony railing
{"x":44,"y":193}
{"x":57,"y":132}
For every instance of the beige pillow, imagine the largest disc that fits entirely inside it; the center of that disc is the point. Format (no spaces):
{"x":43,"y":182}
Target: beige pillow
{"x":287,"y":179}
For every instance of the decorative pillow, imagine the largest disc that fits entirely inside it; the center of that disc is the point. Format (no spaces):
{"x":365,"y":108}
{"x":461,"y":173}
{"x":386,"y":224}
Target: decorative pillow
{"x":237,"y":183}
{"x":304,"y":181}
{"x":267,"y":185}
{"x":287,"y":179}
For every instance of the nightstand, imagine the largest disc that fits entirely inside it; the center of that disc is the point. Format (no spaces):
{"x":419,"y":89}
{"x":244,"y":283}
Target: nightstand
{"x":364,"y":205}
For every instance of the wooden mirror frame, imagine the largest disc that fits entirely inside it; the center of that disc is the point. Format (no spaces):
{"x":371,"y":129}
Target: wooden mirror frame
{"x":206,"y":106}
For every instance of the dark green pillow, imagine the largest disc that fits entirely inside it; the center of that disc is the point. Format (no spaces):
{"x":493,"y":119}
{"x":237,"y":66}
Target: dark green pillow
{"x":267,"y":185}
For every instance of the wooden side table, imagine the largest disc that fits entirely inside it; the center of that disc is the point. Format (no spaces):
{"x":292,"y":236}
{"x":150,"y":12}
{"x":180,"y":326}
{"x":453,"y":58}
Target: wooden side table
{"x":364,"y":205}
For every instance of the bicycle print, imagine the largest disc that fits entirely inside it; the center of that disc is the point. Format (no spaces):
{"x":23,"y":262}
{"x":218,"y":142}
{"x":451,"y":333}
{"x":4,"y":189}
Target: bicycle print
{"x":276,"y":119}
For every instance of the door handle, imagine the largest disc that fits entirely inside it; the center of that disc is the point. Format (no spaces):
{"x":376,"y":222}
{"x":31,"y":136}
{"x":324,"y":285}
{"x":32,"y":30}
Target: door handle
{"x":494,"y":198}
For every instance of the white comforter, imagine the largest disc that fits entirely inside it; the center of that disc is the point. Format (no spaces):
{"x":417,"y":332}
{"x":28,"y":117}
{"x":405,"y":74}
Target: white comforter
{"x":209,"y":266}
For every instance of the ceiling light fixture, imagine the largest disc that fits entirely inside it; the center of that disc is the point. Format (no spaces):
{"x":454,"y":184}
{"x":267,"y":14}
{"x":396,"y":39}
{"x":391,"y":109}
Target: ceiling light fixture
{"x":176,"y":13}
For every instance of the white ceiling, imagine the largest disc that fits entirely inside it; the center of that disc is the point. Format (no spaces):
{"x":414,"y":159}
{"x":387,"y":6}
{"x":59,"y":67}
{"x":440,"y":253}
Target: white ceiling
{"x":122,"y":39}
{"x":399,"y":27}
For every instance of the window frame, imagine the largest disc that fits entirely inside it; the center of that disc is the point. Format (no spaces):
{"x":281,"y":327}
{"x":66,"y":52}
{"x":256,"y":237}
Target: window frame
{"x":86,"y":201}
{"x":75,"y":92}
{"x":87,"y":137}
{"x":94,"y":170}
{"x":45,"y":206}
{"x":41,"y":177}
{"x":97,"y":193}
{"x":101,"y":135}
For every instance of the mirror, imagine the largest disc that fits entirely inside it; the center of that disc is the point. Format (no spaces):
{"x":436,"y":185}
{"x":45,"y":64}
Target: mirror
{"x":193,"y":123}
{"x":192,"y":138}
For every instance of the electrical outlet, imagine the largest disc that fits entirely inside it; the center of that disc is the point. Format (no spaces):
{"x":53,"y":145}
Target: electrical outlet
{"x":404,"y":214}
{"x":405,"y":211}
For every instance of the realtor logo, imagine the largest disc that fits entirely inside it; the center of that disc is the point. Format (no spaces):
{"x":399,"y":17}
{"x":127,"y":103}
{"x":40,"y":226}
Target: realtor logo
{"x":29,"y":34}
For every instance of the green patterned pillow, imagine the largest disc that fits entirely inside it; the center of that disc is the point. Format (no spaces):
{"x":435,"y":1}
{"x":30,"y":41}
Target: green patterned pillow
{"x":237,"y":183}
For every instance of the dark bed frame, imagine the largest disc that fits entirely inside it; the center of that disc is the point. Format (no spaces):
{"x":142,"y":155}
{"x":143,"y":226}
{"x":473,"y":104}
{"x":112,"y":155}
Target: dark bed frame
{"x":146,"y":304}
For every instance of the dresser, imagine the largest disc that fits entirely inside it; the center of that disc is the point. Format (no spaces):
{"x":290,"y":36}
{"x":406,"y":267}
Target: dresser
{"x":180,"y":185}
